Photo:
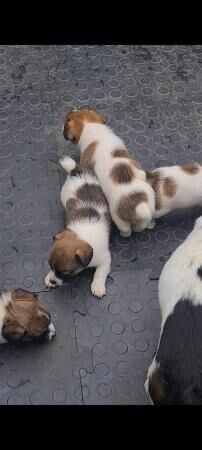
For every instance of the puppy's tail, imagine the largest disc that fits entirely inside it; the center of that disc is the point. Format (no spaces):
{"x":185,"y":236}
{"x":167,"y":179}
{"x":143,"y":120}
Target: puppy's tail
{"x":135,"y":209}
{"x":69,"y":165}
{"x":143,"y":214}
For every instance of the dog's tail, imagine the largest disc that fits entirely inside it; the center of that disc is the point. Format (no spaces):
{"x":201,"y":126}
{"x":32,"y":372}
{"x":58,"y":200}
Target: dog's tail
{"x":69,"y":165}
{"x":134,"y":208}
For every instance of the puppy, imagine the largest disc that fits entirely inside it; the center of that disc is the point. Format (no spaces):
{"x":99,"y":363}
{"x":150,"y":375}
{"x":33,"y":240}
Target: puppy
{"x":175,"y":375}
{"x":22,"y":318}
{"x":85,"y":241}
{"x":130,"y":197}
{"x":176,"y":187}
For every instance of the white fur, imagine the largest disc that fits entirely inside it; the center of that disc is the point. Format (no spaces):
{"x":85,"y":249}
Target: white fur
{"x":179,"y":276}
{"x":51,"y":331}
{"x":189,"y":190}
{"x":5,"y":298}
{"x":67,"y":163}
{"x":179,"y":280}
{"x":50,"y":278}
{"x":107,"y":141}
{"x":94,"y":233}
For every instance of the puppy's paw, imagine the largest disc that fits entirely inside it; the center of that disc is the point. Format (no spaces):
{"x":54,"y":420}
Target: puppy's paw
{"x":151,"y":225}
{"x":126,"y":234}
{"x":52,"y":332}
{"x":49,"y":282}
{"x":98,"y":289}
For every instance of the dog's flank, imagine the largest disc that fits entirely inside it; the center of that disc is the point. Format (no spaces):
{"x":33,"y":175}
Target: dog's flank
{"x":176,"y":187}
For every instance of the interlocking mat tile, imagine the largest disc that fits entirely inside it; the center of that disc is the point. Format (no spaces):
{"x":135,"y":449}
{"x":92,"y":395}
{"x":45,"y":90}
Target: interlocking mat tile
{"x":152,"y":98}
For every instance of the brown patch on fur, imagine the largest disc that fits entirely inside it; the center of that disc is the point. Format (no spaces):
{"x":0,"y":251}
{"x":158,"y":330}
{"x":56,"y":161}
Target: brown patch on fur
{"x":123,"y":153}
{"x":156,"y":387}
{"x":86,"y":161}
{"x":75,"y":121}
{"x":127,"y":205}
{"x":25,"y":317}
{"x":191,"y":168}
{"x":69,"y":254}
{"x":121,"y":173}
{"x":169,"y":187}
{"x":154,"y":179}
{"x":91,"y":193}
{"x":71,"y":209}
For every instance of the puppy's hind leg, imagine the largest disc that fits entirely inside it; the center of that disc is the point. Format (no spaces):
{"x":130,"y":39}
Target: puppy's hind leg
{"x":124,"y":227}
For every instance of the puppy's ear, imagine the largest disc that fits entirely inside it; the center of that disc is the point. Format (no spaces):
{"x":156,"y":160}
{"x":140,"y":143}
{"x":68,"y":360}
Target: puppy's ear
{"x":58,"y":236}
{"x":84,"y":253}
{"x":22,"y":295}
{"x":13,"y":332}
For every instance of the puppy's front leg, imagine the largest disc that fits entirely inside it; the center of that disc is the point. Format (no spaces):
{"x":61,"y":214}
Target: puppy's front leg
{"x":100,"y":276}
{"x":51,"y":281}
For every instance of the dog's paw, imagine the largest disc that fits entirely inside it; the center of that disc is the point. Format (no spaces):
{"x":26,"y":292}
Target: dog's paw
{"x":151,"y":225}
{"x":52,"y":332}
{"x":98,"y":289}
{"x":49,"y":282}
{"x":126,"y":234}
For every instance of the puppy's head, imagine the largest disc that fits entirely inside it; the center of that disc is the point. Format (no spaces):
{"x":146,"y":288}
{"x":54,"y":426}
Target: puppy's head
{"x":69,"y":254}
{"x":74,"y":123}
{"x":23,"y":318}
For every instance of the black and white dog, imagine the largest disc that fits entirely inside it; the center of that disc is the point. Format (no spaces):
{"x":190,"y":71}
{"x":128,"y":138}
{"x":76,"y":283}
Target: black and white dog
{"x":175,"y":375}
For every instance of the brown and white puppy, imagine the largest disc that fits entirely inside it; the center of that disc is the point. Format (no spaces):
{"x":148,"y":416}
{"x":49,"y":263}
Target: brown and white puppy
{"x":175,"y":375}
{"x":22,"y":318}
{"x":123,"y":181}
{"x":176,"y":187}
{"x":85,"y":241}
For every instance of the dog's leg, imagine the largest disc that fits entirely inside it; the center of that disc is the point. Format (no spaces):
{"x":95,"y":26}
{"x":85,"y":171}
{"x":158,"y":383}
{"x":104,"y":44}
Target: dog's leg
{"x":124,"y":227}
{"x":100,"y":276}
{"x":51,"y":281}
{"x":151,"y":225}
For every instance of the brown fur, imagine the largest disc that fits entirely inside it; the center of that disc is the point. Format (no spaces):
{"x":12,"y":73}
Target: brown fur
{"x":91,"y":193}
{"x":71,"y":210}
{"x":76,"y":212}
{"x":154,"y":179}
{"x":75,"y":121}
{"x":86,"y":161}
{"x":121,"y":173}
{"x":169,"y":187}
{"x":69,"y":253}
{"x":156,"y":387}
{"x":191,"y":168}
{"x":123,"y":153}
{"x":25,"y":317}
{"x":127,"y":205}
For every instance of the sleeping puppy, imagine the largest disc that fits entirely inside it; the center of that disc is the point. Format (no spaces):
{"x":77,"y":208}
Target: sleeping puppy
{"x":85,"y":241}
{"x":175,"y":375}
{"x":22,"y":318}
{"x":130,"y":197}
{"x":176,"y":187}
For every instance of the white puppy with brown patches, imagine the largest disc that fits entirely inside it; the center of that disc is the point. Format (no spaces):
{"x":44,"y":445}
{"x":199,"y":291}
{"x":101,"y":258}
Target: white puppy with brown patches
{"x":123,"y":181}
{"x":22,"y":318}
{"x":175,"y":375}
{"x":85,"y":241}
{"x":176,"y":187}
